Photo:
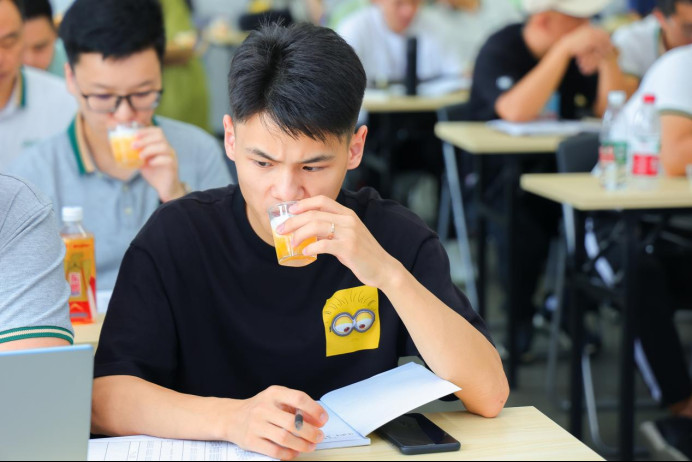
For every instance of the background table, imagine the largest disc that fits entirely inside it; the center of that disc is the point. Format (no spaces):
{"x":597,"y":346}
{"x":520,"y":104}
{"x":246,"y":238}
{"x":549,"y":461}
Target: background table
{"x":483,"y":142}
{"x":516,"y":434}
{"x":89,"y":333}
{"x":381,"y":102}
{"x":583,"y":193}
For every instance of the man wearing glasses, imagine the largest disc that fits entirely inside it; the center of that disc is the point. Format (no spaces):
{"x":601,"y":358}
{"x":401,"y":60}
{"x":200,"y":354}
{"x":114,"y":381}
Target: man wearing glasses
{"x":115,"y":50}
{"x":33,"y":105}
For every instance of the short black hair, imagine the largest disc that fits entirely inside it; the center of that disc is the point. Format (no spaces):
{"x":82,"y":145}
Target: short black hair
{"x":20,"y":6}
{"x":34,"y":9}
{"x":667,"y":7}
{"x":305,"y":78}
{"x":114,"y":28}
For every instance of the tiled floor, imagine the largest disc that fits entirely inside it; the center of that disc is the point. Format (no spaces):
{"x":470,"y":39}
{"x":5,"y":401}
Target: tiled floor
{"x":533,"y":390}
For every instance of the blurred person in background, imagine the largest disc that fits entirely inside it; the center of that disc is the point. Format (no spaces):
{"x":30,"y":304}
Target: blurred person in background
{"x":43,"y":48}
{"x":33,"y":291}
{"x":33,"y":104}
{"x":186,"y":97}
{"x":378,"y":34}
{"x":554,"y":65}
{"x":641,"y":43}
{"x":467,"y":24}
{"x":115,"y":50}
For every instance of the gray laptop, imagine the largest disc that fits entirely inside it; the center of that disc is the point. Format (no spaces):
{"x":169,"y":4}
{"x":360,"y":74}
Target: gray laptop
{"x":45,"y":403}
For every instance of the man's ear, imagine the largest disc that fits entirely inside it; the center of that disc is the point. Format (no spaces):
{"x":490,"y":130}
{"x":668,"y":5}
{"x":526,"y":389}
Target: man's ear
{"x":660,"y":17}
{"x":229,"y":137}
{"x":69,"y":80}
{"x":356,"y":148}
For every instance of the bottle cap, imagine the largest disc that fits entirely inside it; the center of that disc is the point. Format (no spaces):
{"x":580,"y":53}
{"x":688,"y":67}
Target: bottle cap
{"x":72,"y":214}
{"x":617,"y":98}
{"x":649,"y":98}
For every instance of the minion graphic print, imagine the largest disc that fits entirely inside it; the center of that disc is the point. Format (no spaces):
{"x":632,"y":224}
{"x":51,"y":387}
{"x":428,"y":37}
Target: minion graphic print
{"x":351,"y":321}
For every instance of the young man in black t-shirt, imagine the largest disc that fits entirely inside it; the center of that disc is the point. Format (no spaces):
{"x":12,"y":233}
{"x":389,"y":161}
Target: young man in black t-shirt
{"x":554,"y":65}
{"x":207,"y":337}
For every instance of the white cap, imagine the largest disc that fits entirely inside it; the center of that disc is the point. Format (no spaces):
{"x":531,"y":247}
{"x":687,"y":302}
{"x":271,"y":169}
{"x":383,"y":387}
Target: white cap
{"x":617,"y":97}
{"x":72,"y":214}
{"x":576,"y":8}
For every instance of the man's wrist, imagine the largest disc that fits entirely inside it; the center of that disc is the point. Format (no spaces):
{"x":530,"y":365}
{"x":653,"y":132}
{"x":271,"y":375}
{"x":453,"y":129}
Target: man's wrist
{"x":395,"y":277}
{"x":177,"y":191}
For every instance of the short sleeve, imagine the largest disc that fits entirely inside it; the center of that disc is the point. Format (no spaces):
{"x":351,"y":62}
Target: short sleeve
{"x":669,"y":81}
{"x":33,"y":290}
{"x":431,"y":268}
{"x":138,"y":336}
{"x":494,"y":74}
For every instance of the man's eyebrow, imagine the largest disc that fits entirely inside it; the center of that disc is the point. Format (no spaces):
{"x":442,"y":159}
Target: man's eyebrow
{"x":260,"y":153}
{"x":319,"y":158}
{"x":11,"y":35}
{"x":103,"y":86}
{"x":312,"y":160}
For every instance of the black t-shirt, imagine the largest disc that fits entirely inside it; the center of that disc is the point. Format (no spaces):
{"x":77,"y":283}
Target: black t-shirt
{"x":505,"y":59}
{"x":201,"y":305}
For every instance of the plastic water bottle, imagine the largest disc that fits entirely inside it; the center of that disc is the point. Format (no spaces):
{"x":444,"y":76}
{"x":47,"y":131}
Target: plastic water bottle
{"x":612,"y":153}
{"x":645,"y":145}
{"x":80,"y":266}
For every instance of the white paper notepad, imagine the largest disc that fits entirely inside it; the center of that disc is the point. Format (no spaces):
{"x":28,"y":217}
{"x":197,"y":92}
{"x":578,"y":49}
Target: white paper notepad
{"x":354,"y":412}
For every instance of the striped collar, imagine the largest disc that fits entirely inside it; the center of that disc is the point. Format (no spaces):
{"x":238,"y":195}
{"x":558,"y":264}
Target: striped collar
{"x":80,"y":148}
{"x":21,"y":90}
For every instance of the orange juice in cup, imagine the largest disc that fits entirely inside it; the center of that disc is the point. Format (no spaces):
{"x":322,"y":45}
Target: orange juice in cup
{"x":286,"y":253}
{"x":121,"y":138}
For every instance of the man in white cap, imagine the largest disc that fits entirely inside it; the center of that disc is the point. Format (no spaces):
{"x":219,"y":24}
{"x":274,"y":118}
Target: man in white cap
{"x":554,"y":65}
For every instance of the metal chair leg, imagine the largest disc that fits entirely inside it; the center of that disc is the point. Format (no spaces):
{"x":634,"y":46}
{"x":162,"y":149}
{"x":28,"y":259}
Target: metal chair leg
{"x":453,"y":183}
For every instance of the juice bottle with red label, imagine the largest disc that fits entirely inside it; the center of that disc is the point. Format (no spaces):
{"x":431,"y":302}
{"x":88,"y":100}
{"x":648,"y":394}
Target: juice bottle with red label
{"x":80,"y":266}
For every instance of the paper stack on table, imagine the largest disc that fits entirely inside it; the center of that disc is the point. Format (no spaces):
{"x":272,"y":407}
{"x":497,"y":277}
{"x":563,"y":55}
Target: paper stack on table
{"x":354,"y":412}
{"x":545,"y":127}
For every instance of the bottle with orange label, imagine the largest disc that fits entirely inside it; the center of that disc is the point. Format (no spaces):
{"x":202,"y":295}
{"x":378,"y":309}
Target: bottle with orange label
{"x":80,"y":266}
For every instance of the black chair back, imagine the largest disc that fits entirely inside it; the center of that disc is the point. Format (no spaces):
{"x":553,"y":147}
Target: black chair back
{"x":578,"y":154}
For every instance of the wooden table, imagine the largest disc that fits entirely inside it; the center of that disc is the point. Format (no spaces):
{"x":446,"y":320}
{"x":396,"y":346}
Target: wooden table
{"x":89,"y":333}
{"x":478,"y":138}
{"x":516,"y":434}
{"x":383,"y":103}
{"x":583,"y":193}
{"x":483,"y":142}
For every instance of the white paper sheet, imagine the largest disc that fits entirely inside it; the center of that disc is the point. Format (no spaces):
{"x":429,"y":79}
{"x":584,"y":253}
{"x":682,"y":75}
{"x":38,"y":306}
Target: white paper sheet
{"x":148,"y":448}
{"x":339,"y":434}
{"x":371,"y":403}
{"x":545,"y":127}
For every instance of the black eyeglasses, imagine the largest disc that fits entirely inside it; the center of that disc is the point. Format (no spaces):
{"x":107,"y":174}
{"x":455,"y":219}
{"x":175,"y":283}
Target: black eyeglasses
{"x":108,"y":104}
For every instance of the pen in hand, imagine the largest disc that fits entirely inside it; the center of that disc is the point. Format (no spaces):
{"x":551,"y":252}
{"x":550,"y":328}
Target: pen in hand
{"x":299,"y":419}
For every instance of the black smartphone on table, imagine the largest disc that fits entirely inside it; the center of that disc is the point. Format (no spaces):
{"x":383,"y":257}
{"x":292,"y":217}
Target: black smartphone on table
{"x":416,"y":434}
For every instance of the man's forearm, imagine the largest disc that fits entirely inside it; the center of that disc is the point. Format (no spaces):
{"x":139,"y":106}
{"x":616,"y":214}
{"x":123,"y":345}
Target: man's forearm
{"x":450,"y":345}
{"x":676,"y":158}
{"x":526,"y":100}
{"x":610,"y":78}
{"x":126,"y":405}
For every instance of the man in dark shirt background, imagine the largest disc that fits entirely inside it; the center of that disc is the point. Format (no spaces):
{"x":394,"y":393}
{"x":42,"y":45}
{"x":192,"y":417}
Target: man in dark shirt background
{"x":556,"y":65}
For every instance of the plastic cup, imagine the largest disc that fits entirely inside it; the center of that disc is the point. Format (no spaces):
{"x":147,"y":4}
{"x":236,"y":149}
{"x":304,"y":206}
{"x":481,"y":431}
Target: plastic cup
{"x":286,"y":253}
{"x":121,"y":138}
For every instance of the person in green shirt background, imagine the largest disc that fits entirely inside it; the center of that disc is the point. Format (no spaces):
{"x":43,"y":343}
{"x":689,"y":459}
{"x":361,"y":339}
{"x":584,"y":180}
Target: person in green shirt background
{"x":186,"y":95}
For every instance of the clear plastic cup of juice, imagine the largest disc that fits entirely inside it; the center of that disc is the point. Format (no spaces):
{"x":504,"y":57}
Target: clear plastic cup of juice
{"x":286,"y":253}
{"x":121,"y":138}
